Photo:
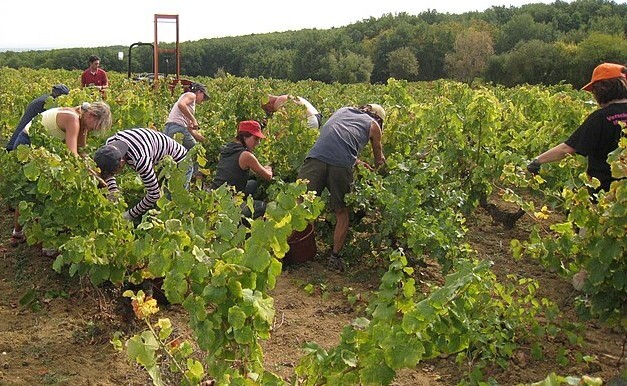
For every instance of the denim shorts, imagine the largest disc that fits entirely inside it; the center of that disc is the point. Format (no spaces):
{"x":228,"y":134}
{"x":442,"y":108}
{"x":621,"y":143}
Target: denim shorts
{"x":172,"y":128}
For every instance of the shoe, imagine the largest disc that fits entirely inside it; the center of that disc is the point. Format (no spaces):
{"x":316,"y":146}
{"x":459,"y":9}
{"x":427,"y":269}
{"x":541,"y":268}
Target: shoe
{"x":336,"y":263}
{"x":17,"y":239}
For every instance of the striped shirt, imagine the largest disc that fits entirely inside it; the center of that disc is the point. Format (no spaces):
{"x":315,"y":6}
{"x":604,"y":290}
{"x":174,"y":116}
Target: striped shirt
{"x":146,"y":148}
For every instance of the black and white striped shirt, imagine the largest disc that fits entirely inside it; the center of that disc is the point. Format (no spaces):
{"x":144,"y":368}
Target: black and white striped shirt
{"x":146,"y":148}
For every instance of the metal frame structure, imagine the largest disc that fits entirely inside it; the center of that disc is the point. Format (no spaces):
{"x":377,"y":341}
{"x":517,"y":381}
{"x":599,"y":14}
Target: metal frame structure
{"x":138,"y":44}
{"x":158,"y":50}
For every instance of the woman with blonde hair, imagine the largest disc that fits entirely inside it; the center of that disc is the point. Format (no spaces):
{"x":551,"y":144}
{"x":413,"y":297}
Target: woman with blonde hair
{"x":71,"y":125}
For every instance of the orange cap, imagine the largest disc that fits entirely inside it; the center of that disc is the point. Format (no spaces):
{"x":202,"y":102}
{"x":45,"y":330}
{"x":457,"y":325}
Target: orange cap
{"x":605,"y":71}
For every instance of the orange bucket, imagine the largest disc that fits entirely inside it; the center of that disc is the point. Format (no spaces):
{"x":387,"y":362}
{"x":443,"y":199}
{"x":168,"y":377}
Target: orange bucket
{"x":302,"y":246}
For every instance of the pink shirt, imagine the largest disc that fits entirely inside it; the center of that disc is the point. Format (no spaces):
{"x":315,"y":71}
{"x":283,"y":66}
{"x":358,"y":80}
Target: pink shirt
{"x":176,"y":115}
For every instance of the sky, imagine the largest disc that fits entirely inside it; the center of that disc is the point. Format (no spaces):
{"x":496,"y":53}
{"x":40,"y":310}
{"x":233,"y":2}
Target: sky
{"x":89,"y":23}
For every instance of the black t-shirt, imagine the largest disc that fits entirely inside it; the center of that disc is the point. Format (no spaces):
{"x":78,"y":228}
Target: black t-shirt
{"x":598,"y":136}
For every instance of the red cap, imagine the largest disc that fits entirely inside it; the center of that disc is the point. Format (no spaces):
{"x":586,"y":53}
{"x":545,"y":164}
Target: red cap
{"x":252,"y":127}
{"x":605,"y":71}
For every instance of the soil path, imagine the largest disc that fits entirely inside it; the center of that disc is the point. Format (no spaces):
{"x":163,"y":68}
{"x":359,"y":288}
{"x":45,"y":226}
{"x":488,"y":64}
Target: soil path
{"x":55,"y":330}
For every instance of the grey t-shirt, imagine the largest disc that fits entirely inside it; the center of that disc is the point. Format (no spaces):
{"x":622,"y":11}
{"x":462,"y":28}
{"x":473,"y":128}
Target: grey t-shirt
{"x":342,"y":137}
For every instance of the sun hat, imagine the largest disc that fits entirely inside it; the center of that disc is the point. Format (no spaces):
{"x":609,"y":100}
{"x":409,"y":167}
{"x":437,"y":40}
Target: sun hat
{"x":377,"y":110}
{"x":605,"y":71}
{"x":252,"y":127}
{"x":195,"y":87}
{"x":108,"y":157}
{"x":60,"y":89}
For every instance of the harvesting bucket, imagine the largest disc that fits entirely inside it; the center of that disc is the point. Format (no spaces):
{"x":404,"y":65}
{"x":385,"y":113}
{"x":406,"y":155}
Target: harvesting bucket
{"x":302,"y":246}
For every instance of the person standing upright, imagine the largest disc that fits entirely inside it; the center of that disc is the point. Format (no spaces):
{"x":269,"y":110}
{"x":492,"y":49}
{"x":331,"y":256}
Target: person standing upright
{"x":94,"y":76}
{"x":601,"y":131}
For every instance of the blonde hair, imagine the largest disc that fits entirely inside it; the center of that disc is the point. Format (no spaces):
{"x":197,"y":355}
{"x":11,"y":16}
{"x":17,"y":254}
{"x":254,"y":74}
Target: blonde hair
{"x":101,"y":111}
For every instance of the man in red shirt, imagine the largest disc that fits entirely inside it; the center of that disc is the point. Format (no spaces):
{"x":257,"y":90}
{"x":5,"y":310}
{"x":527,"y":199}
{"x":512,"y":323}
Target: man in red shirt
{"x":94,"y":76}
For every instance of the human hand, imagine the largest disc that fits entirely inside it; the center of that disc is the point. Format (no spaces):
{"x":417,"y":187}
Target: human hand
{"x":533,"y":167}
{"x":99,"y":180}
{"x":364,"y":164}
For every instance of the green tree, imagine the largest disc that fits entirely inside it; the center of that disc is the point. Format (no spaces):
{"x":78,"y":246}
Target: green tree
{"x":402,"y":64}
{"x":523,"y":27}
{"x":273,"y":63}
{"x":595,"y":49}
{"x":393,"y":38}
{"x":311,"y":56}
{"x":470,"y":55}
{"x":350,"y":67}
{"x":610,"y":25}
{"x":534,"y":62}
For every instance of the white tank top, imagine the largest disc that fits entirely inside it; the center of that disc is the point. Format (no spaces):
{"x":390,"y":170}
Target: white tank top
{"x":49,"y":121}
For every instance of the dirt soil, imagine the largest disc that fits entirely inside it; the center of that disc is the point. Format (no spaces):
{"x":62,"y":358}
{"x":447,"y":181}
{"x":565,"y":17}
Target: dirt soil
{"x":55,"y":330}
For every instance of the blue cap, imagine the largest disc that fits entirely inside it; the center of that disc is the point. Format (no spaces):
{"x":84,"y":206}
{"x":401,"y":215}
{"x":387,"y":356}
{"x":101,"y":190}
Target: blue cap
{"x":108,"y":157}
{"x":60,"y":89}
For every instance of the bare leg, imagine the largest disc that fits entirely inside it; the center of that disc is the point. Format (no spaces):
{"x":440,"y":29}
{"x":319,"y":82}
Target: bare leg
{"x":341,"y":229}
{"x":16,"y":225}
{"x":17,"y":237}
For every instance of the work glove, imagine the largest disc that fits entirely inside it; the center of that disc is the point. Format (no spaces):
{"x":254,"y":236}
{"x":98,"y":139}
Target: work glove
{"x":533,"y":167}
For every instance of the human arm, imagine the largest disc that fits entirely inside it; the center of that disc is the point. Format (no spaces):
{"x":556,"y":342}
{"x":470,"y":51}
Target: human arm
{"x":195,"y":133}
{"x":71,"y":125}
{"x":375,"y":142}
{"x":183,"y":104}
{"x":556,"y":153}
{"x":311,"y":110}
{"x":153,"y":191}
{"x":248,"y":161}
{"x":105,"y":80}
{"x":365,"y":164}
{"x":313,"y":115}
{"x":112,"y":186}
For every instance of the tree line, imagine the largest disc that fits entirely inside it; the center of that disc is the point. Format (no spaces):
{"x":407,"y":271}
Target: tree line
{"x":535,"y":44}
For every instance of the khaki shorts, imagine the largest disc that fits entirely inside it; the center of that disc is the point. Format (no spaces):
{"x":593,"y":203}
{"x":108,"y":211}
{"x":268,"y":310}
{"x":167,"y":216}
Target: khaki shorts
{"x":321,"y":175}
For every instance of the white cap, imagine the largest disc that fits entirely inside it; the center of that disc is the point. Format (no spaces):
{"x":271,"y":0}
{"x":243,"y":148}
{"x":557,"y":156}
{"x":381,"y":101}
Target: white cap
{"x":378,"y":110}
